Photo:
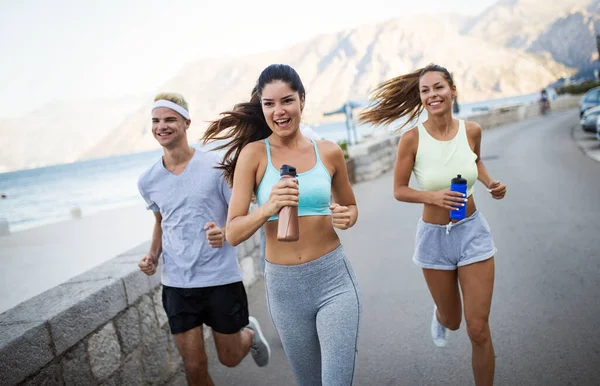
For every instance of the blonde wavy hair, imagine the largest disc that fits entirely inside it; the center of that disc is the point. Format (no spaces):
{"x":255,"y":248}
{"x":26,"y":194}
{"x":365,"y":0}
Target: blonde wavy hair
{"x":399,"y":97}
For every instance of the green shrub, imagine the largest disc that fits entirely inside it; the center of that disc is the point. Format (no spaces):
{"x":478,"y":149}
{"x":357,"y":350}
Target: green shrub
{"x":579,"y":88}
{"x":344,"y":145}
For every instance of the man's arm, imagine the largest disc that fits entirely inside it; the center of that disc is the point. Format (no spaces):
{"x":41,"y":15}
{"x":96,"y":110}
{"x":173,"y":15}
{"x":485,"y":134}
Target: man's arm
{"x":156,"y":244}
{"x":149,"y":263}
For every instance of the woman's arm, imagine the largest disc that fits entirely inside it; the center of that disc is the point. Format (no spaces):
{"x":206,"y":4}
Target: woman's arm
{"x":496,"y":189}
{"x":405,"y":161}
{"x":474,"y":134}
{"x":344,"y":211}
{"x":241,"y":225}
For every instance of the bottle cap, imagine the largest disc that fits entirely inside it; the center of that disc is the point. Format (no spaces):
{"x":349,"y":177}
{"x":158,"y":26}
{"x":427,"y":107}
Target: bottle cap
{"x":458,"y":180}
{"x":287,"y":170}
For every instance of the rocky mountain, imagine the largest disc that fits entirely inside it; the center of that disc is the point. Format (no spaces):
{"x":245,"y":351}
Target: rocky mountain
{"x":513,"y":47}
{"x":59,"y":132}
{"x":571,"y":39}
{"x":346,"y":65}
{"x":563,"y":30}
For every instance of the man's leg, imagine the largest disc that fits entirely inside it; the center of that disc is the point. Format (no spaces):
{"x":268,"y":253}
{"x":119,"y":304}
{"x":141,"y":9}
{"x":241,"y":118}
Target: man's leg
{"x":232,"y":348}
{"x":185,"y":310}
{"x":191,"y":347}
{"x":234,"y":331}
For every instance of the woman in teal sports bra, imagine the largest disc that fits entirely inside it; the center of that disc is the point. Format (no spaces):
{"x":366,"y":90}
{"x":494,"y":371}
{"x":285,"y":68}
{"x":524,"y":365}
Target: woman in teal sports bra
{"x":312,"y":292}
{"x":450,"y":253}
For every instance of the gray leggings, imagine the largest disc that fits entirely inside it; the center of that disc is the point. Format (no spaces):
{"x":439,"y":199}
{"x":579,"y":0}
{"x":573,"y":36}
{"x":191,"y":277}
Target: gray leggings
{"x":316,"y":310}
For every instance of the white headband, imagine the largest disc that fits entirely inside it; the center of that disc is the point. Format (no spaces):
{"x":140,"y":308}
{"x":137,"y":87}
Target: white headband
{"x":173,"y":106}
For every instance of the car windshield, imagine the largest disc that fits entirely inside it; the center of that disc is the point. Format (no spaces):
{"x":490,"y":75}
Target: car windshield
{"x":592,"y":96}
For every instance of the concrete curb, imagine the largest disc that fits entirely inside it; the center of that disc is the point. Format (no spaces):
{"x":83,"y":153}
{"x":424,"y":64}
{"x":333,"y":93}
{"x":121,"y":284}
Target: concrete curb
{"x":586,"y":142}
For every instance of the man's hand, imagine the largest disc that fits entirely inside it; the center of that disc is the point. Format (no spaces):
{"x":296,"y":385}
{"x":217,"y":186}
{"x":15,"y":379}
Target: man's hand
{"x":214,"y":234}
{"x":148,"y":264}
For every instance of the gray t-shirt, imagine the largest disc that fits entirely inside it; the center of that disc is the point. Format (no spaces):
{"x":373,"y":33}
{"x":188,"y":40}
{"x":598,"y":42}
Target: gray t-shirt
{"x":186,"y":202}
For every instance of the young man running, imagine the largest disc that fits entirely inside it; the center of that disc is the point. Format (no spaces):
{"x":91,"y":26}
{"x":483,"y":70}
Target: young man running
{"x":202,"y":281}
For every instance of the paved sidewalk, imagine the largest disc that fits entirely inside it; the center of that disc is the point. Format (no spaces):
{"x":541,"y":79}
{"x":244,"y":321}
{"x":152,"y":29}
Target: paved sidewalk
{"x":587,"y":142}
{"x":547,"y":274}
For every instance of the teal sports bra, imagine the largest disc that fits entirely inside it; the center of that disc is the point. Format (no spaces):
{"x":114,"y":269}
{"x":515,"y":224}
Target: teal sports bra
{"x":314,"y":185}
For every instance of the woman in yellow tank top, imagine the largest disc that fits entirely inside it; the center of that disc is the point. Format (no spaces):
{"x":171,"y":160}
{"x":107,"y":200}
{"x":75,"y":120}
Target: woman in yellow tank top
{"x":451,"y":253}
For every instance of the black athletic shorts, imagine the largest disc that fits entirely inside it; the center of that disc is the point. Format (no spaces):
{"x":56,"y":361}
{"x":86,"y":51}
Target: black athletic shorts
{"x":224,"y":308}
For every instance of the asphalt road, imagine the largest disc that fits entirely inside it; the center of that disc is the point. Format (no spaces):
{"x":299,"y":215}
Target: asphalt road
{"x":545,"y":316}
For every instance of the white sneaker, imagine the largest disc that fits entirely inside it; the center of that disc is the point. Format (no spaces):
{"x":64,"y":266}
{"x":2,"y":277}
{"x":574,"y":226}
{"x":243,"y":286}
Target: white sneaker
{"x":439,"y":333}
{"x":260,"y":350}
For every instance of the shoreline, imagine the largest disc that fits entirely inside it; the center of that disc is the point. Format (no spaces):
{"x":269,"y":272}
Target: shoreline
{"x":83,"y":213}
{"x":43,"y":257}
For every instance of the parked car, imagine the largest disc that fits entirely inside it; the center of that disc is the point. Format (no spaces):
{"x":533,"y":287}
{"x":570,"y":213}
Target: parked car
{"x":589,"y":100}
{"x":589,"y":119}
{"x":598,"y":128}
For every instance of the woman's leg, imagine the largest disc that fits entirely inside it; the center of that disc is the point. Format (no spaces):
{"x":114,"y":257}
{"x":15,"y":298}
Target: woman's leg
{"x":443,"y":286}
{"x":337,"y":326}
{"x":293,"y":314}
{"x":477,"y":284}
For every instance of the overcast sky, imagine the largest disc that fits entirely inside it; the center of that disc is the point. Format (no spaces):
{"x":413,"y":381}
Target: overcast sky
{"x":77,"y":49}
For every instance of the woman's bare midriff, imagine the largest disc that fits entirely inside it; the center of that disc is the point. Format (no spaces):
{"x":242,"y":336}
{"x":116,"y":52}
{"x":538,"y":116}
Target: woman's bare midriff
{"x":433,"y":214}
{"x":317,"y":238}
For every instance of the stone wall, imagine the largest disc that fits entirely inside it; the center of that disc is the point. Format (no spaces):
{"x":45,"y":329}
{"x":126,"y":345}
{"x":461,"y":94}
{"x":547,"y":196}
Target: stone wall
{"x":511,"y":114}
{"x":104,"y":327}
{"x":375,"y":157}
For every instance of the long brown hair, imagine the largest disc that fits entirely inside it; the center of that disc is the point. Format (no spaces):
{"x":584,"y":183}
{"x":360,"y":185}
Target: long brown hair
{"x":399,"y":97}
{"x":246,"y":122}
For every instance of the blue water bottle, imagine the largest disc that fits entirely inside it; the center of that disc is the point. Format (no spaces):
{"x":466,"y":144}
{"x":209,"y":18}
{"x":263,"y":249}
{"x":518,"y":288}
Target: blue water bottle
{"x":459,"y":184}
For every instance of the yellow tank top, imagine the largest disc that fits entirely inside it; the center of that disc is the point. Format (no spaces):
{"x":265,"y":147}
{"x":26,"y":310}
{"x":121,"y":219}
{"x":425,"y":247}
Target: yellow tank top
{"x":437,"y":162}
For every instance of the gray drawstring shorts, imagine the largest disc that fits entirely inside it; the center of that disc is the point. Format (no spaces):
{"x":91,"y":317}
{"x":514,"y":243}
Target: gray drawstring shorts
{"x":454,"y":245}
